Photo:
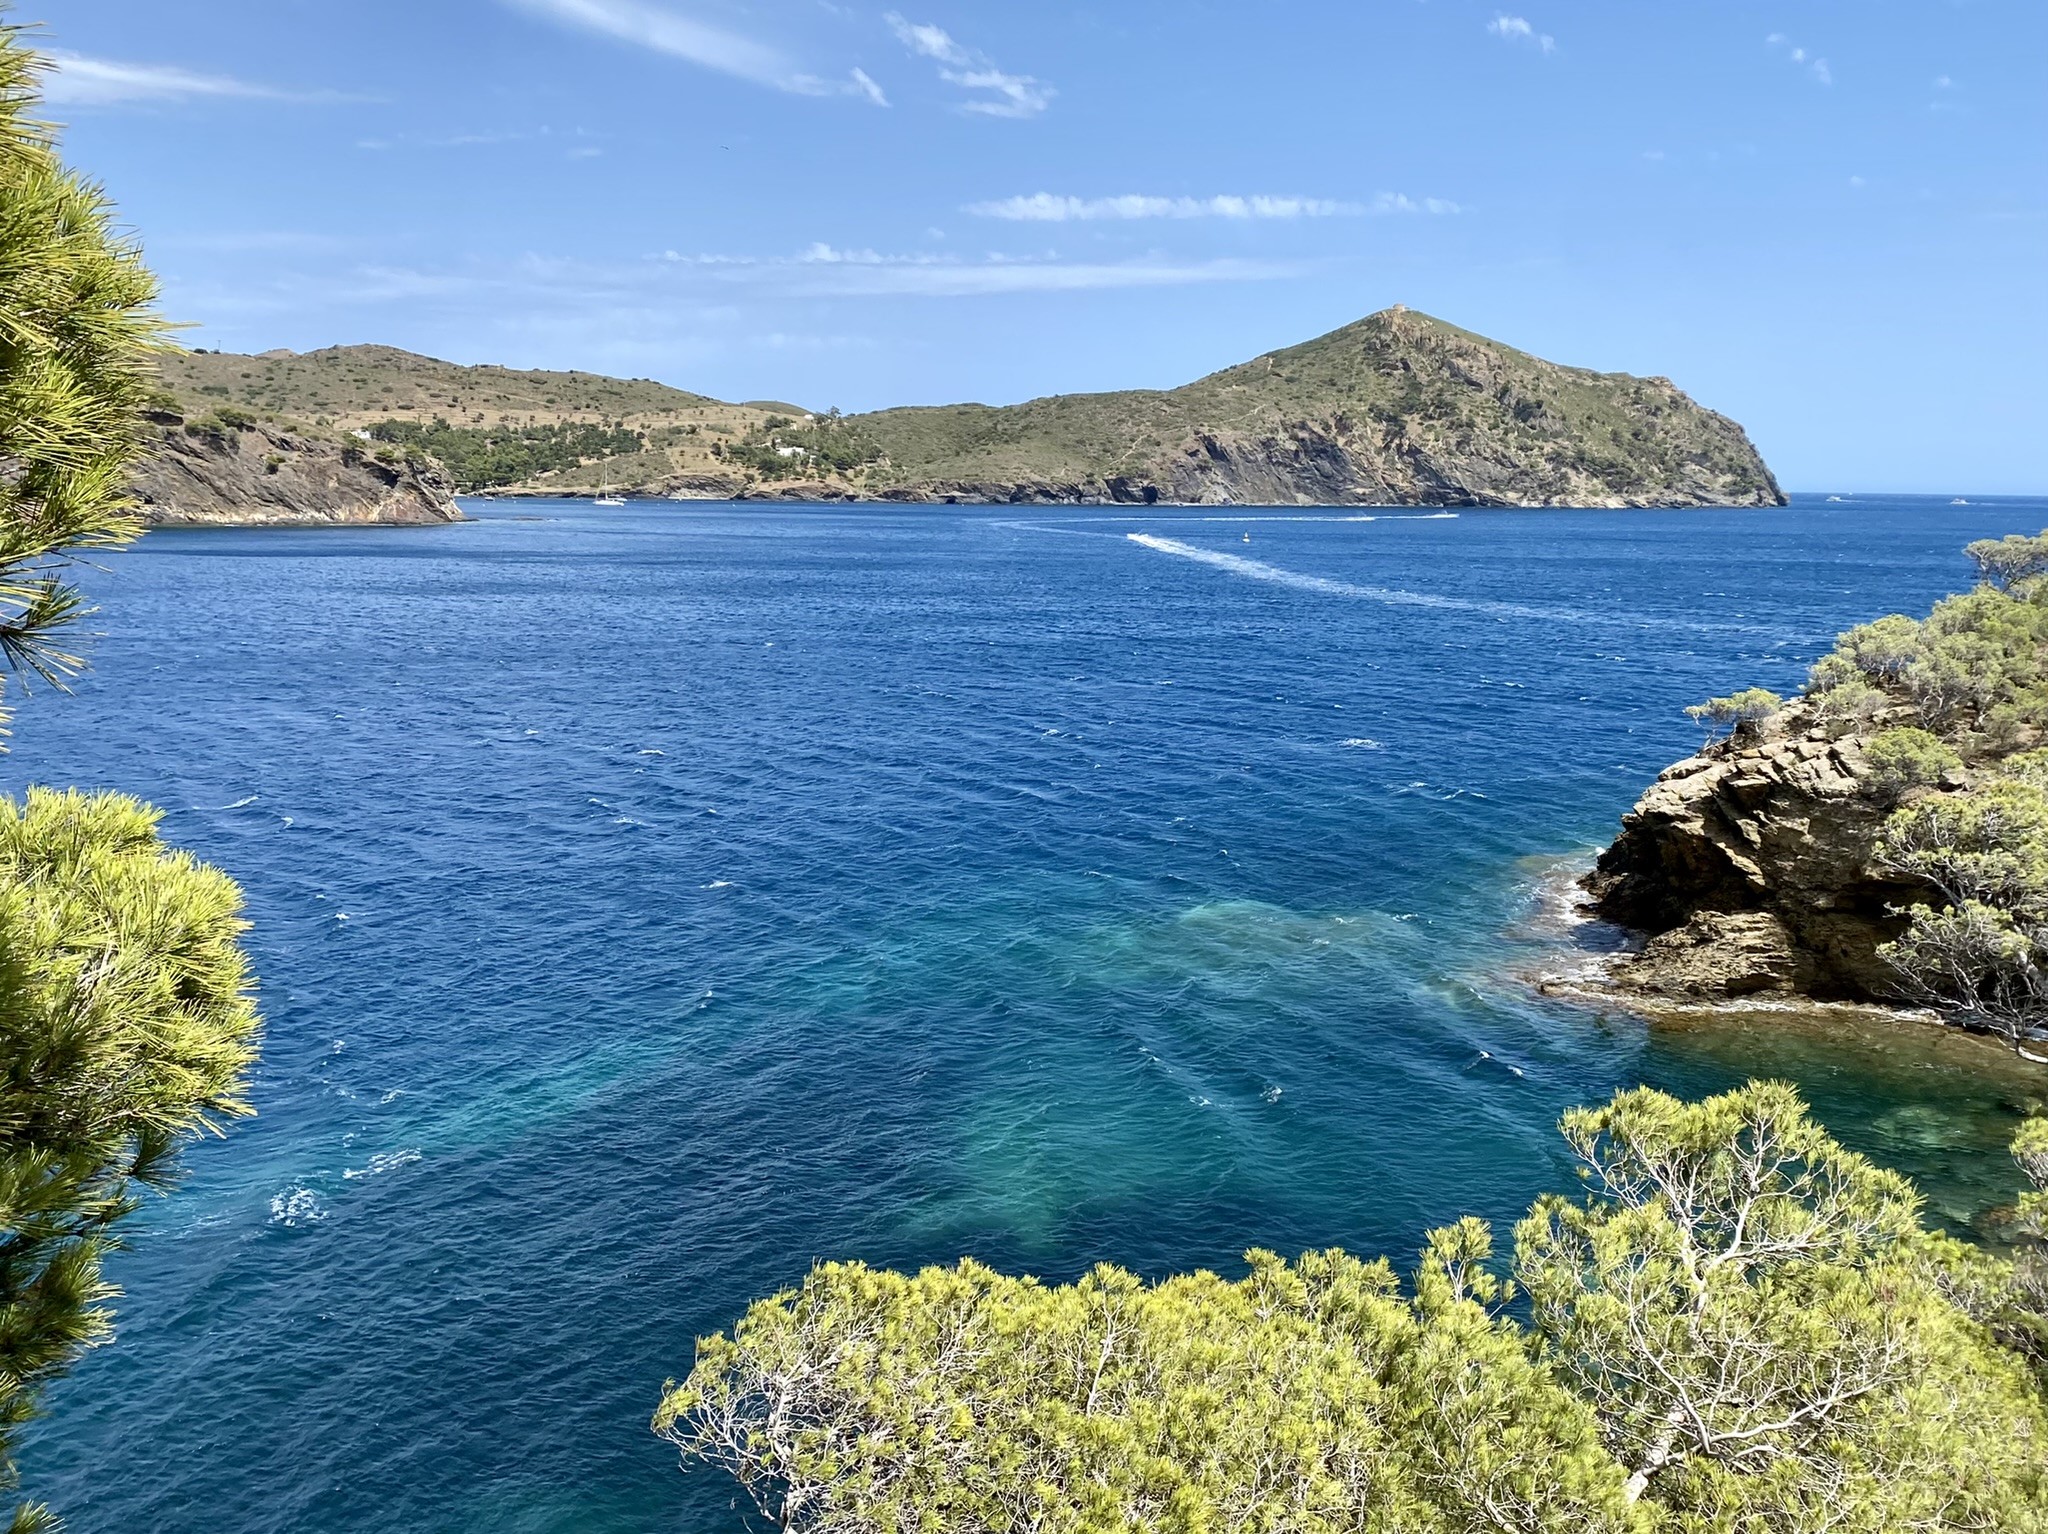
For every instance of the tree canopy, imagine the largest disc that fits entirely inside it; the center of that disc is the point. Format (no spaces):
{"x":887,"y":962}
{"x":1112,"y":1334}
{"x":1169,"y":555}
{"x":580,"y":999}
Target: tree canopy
{"x":1974,"y":671}
{"x":77,"y":338}
{"x":1740,"y":1327}
{"x":1760,"y":1322}
{"x":1745,"y":707}
{"x":126,"y":1025}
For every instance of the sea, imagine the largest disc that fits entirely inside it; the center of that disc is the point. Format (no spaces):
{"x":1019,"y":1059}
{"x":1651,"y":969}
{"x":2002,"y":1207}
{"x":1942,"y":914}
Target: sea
{"x":652,"y":902}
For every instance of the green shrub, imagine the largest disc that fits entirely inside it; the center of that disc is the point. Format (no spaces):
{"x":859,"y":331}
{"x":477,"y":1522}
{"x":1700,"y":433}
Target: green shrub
{"x":221,"y":420}
{"x":1975,"y":670}
{"x":1905,"y":759}
{"x":125,"y":1029}
{"x":1746,"y":707}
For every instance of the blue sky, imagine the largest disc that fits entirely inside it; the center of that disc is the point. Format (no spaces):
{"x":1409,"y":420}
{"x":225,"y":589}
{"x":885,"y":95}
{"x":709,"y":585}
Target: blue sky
{"x":1829,"y":220}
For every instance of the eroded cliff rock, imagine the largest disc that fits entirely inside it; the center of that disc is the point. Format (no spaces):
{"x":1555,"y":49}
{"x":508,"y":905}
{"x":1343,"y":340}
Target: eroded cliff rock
{"x":1750,"y":869}
{"x":261,"y":475}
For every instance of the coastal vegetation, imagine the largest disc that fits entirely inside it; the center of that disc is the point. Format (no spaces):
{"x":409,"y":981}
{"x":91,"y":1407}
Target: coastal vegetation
{"x":1739,"y":1326}
{"x":125,"y":1021}
{"x":493,"y":428}
{"x":1962,"y":698}
{"x":783,"y":447}
{"x":1744,"y":707}
{"x":489,"y":457}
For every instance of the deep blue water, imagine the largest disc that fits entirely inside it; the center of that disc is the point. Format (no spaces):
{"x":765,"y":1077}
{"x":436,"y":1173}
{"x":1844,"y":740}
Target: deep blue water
{"x":651,"y":902}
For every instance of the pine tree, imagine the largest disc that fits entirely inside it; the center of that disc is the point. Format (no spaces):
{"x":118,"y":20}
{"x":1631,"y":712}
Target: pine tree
{"x":126,"y":1026}
{"x":77,"y":338}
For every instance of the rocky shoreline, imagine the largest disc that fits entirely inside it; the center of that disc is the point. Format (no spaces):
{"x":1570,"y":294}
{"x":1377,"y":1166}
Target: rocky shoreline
{"x":1748,"y":869}
{"x":257,"y":474}
{"x":1119,"y":492}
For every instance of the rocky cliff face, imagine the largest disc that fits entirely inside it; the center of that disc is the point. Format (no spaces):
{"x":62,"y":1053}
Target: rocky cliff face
{"x":1749,"y":869}
{"x":263,"y":476}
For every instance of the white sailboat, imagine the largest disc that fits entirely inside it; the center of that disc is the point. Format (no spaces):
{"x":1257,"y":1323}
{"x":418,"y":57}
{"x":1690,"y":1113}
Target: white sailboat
{"x":605,"y":497}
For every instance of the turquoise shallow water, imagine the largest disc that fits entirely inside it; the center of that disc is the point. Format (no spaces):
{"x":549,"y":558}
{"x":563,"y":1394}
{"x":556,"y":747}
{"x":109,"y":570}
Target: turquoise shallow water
{"x":650,"y":902}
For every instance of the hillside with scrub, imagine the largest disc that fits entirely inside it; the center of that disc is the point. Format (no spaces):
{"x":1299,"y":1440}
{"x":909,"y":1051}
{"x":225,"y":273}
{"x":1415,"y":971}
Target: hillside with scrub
{"x":1397,"y":409}
{"x":492,"y":429}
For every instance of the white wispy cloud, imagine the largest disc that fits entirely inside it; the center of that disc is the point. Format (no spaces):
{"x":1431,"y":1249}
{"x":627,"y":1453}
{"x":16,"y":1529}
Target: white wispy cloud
{"x":75,"y":79}
{"x":829,"y":271}
{"x":1516,"y":29}
{"x":483,"y":138}
{"x":665,"y":31}
{"x":535,"y":286}
{"x":247,"y":241}
{"x":996,"y":93}
{"x":1048,"y":208}
{"x":1816,"y":67}
{"x":929,"y":41}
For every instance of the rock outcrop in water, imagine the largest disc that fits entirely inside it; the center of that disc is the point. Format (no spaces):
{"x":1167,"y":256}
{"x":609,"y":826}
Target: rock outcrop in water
{"x":255,"y":474}
{"x":1749,"y":869}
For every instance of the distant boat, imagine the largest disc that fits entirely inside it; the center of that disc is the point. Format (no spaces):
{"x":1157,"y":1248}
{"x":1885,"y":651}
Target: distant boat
{"x":605,"y":496}
{"x":1834,"y":498}
{"x":1959,"y":501}
{"x":1247,"y":537}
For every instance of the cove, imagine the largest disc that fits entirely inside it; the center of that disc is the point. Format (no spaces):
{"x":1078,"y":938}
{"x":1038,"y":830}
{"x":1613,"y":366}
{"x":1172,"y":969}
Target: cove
{"x":651,"y":901}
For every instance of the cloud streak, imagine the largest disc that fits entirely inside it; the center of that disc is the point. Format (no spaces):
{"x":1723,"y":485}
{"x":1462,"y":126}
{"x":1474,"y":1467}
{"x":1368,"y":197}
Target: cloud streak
{"x":993,"y":92}
{"x":663,"y":31}
{"x":537,"y":289}
{"x":1048,"y":208}
{"x":479,"y":139}
{"x":76,"y":79}
{"x":827,"y":271}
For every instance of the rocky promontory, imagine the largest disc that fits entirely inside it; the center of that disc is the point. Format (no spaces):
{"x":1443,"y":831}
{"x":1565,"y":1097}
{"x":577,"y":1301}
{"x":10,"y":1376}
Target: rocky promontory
{"x":1750,"y":869}
{"x":1397,"y":409}
{"x":241,"y":472}
{"x":1882,"y":837}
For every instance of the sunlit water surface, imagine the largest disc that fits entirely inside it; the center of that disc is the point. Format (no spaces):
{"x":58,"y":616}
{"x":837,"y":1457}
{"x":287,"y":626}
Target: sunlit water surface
{"x":649,"y":903}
